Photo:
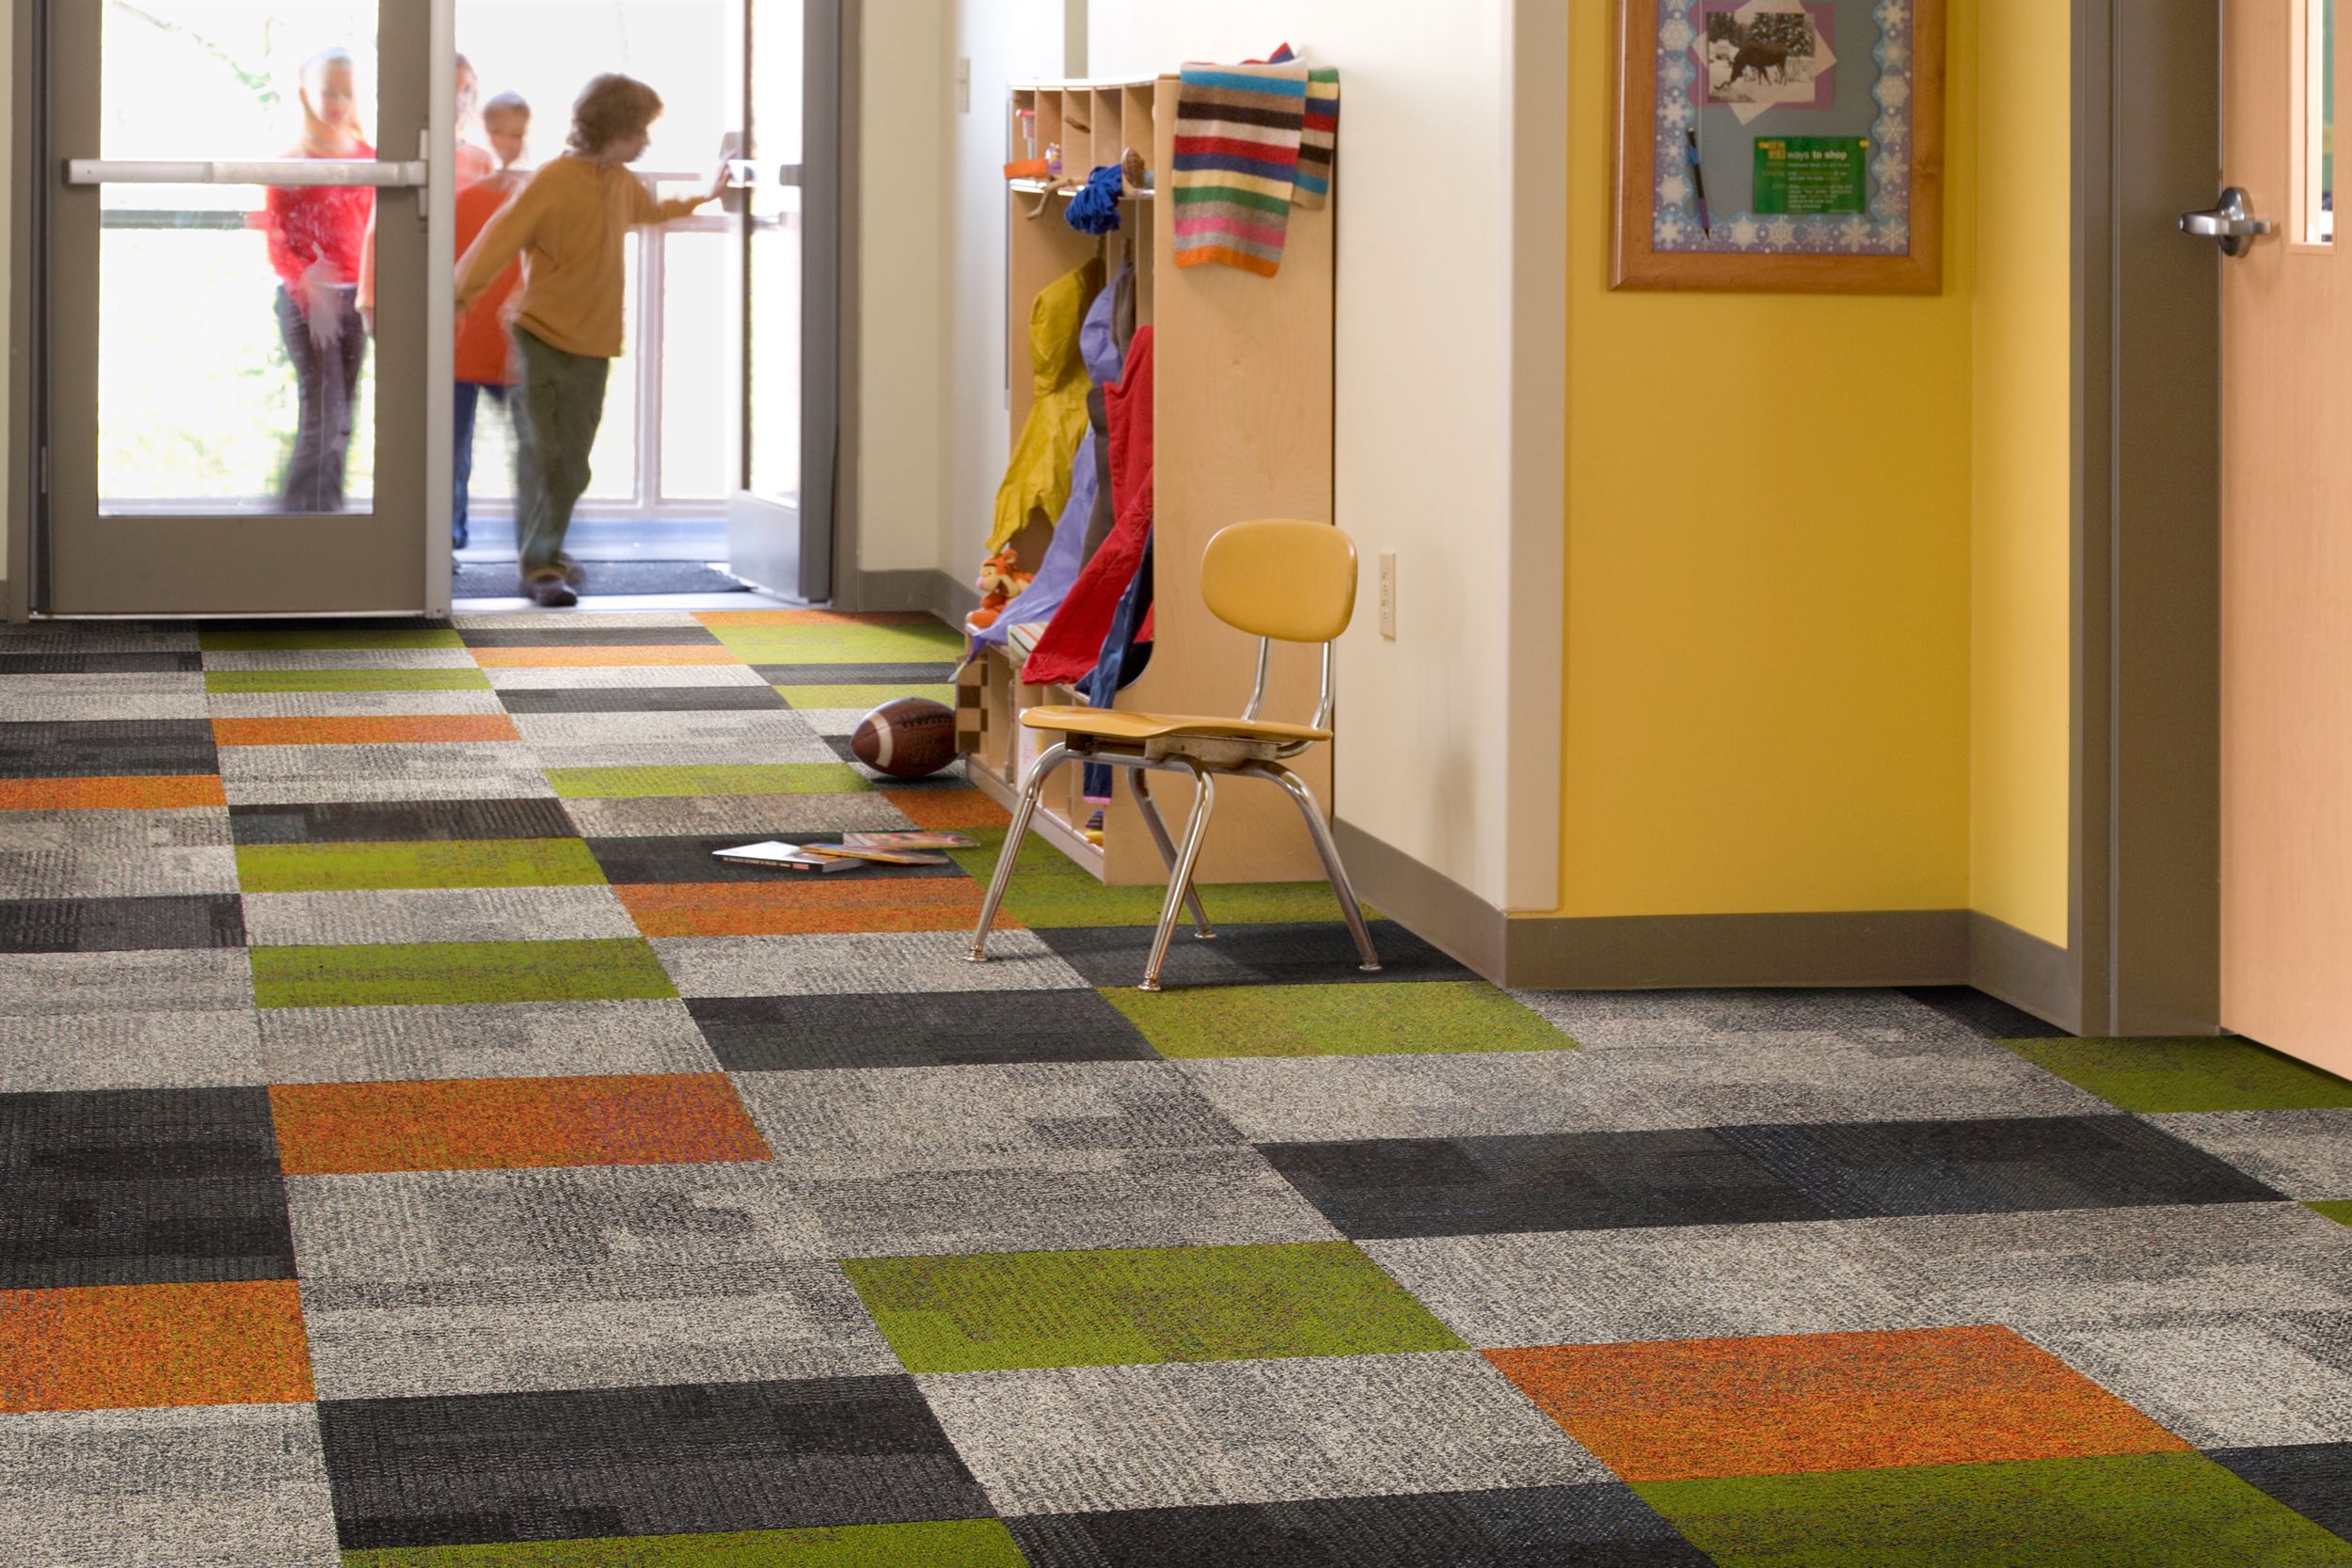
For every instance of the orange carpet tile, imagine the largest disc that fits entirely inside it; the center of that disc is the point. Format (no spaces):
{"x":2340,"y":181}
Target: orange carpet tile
{"x":158,"y":792}
{"x":802,"y":904}
{"x":388,"y":729}
{"x":124,"y":1347}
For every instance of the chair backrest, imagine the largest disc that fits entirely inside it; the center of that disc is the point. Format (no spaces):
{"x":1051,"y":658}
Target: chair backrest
{"x":1294,"y":581}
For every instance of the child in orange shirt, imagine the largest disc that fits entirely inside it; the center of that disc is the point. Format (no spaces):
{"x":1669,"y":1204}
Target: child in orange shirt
{"x":484,"y":358}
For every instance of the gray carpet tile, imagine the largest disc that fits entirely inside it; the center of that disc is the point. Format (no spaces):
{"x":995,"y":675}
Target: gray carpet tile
{"x":399,"y":821}
{"x":116,"y":873}
{"x":832,"y":723}
{"x":540,"y":1039}
{"x":779,"y":1034}
{"x":1149,"y":1198}
{"x":127,"y":833}
{"x":864,"y":961}
{"x":226,"y":1486}
{"x":172,"y":674}
{"x":276,"y":775}
{"x":1695,"y":1282}
{"x":605,"y":634}
{"x":884,"y":1120}
{"x":2304,"y":1154}
{"x":120,"y":924}
{"x":1078,"y":1439}
{"x":653,"y":1223}
{"x":348,"y":705}
{"x":87,"y":637}
{"x":132,"y":1050}
{"x":2224,"y":1380}
{"x":753,"y":816}
{"x":341,"y":659}
{"x":1286,"y":1099}
{"x":682,"y":729}
{"x":1536,"y":1526}
{"x":572,"y":622}
{"x":18,"y":705}
{"x":61,"y":659}
{"x":1610,"y":1020}
{"x":35,"y":985}
{"x":684,"y":751}
{"x":436,"y":914}
{"x":678,"y":1460}
{"x":937,"y":673}
{"x":589,"y":1328}
{"x":564,"y":677}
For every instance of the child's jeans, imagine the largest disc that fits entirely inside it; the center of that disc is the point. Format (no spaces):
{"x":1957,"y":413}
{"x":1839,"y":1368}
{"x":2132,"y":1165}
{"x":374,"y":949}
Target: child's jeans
{"x":468,"y":399}
{"x":555,"y":426}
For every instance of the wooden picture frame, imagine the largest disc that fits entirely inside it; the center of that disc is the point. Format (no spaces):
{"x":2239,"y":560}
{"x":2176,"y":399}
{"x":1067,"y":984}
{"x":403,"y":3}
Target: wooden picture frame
{"x":1814,"y":239}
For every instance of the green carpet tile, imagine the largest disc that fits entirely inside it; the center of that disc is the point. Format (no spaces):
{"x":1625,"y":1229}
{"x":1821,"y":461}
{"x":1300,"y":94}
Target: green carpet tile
{"x":2150,"y":1075}
{"x":782,"y":778}
{"x":1138,"y":1305}
{"x":2336,"y":1209}
{"x":1365,"y":1018}
{"x":426,"y":973}
{"x":861,"y":696}
{"x":949,"y":1543}
{"x":357,"y":635}
{"x":2132,"y":1511}
{"x":460,"y":862}
{"x":1051,"y":891}
{"x":345,"y":680}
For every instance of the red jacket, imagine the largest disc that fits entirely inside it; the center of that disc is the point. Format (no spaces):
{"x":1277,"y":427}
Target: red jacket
{"x":319,"y":223}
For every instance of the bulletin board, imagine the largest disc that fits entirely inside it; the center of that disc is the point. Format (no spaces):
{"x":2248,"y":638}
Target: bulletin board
{"x":1779,"y":145}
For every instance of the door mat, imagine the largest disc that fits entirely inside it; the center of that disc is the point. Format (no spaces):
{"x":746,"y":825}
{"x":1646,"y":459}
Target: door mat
{"x":495,"y":580}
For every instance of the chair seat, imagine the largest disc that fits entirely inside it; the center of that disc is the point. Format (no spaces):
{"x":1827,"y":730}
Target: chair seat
{"x":1111,"y":725}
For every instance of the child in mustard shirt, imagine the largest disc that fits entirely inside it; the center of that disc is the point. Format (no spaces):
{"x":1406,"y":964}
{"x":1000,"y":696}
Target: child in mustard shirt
{"x":570,"y":225}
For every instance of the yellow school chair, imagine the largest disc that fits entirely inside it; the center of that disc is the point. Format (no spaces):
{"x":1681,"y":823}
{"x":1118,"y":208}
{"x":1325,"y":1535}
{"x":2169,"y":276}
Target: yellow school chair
{"x":1294,"y":581}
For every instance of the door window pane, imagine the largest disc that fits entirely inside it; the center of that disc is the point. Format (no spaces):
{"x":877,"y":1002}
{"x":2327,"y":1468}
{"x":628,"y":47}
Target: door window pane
{"x":772,"y":349}
{"x":233,"y":371}
{"x":697,"y":403}
{"x":2317,"y":149}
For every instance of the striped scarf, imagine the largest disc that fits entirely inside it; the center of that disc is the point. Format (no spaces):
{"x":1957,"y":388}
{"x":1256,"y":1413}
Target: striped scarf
{"x":1251,"y":141}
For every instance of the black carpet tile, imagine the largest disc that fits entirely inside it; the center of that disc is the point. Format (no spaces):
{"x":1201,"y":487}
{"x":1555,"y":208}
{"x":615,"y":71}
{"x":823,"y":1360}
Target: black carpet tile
{"x":1863,"y":1169}
{"x":2313,"y":1479}
{"x":555,"y":633}
{"x":1403,"y":1187}
{"x":400,"y":822}
{"x":122,"y":925}
{"x":1988,"y":1016}
{"x":1554,"y":1526}
{"x":651,"y":1461}
{"x":772,"y":1034}
{"x":114,"y":748}
{"x":120,"y":1134}
{"x":856,"y":674}
{"x":83,"y":1231}
{"x":647,"y":698}
{"x":694,"y":860}
{"x":100,"y":664}
{"x":1317,"y":953}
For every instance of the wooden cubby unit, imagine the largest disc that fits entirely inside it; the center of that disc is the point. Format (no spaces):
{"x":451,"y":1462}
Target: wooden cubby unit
{"x":1241,"y":429}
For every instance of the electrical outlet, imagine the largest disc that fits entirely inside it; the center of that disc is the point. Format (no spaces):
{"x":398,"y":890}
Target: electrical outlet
{"x":1388,"y":595}
{"x":964,"y":86}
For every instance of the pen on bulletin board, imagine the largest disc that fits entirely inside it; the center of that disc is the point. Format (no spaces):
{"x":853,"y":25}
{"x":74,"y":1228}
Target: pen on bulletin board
{"x":1698,"y":176}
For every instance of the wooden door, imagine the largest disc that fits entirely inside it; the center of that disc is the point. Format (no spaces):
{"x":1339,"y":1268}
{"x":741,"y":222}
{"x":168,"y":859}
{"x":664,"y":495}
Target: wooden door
{"x":2286,"y":567}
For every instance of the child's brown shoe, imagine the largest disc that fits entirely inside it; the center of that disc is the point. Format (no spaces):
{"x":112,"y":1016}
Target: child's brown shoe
{"x":549,"y":589}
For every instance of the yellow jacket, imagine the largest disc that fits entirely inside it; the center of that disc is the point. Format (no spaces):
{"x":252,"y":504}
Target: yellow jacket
{"x":1038,"y":477}
{"x":570,"y":225}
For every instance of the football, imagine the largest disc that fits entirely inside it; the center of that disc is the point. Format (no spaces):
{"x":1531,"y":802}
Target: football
{"x":906,"y":738}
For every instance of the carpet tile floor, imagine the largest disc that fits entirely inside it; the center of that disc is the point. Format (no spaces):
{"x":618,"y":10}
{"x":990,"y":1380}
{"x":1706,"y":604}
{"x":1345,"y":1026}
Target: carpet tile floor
{"x":417,"y":1151}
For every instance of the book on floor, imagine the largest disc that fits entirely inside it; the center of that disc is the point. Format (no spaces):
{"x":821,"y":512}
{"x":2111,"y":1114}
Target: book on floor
{"x":880,"y":857}
{"x":780,"y":856}
{"x":920,"y":839}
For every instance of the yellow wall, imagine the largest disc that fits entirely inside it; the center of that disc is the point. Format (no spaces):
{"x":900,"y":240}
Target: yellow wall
{"x":2024,"y":554}
{"x":1768,"y":660}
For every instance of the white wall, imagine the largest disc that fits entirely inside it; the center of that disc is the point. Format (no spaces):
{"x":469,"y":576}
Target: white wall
{"x":905,"y":101}
{"x":1451,"y":300}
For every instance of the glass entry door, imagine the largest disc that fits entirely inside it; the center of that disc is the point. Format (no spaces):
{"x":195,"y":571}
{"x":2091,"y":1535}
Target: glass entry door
{"x":786,"y":201}
{"x":236,"y":336}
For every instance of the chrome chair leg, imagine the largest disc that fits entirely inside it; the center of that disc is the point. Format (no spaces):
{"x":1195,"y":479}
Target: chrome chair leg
{"x":1053,"y":757}
{"x":1180,"y":875}
{"x":1352,"y":911}
{"x":1201,"y":927}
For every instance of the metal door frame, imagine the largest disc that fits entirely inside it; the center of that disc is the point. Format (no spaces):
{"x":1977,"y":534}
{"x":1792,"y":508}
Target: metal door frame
{"x":410,"y":587}
{"x":792,"y":552}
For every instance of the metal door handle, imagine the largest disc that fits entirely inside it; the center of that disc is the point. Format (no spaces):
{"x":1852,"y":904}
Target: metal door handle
{"x":2232,"y":224}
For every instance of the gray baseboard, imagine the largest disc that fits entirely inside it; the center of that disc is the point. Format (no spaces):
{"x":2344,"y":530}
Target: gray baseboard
{"x":922,"y":588}
{"x":1876,"y":947}
{"x":2025,"y":971}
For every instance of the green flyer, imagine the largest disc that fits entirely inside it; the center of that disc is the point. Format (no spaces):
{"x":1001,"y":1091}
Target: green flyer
{"x":1802,"y":175}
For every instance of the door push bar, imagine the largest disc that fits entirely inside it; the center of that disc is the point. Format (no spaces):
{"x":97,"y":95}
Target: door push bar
{"x":268,"y":172}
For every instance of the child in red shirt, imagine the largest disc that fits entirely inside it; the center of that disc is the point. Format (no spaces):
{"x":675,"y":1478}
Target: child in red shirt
{"x":484,"y":357}
{"x":317,"y":236}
